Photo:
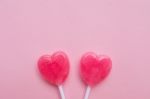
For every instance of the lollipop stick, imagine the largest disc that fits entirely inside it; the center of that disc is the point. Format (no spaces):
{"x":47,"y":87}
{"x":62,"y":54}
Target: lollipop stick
{"x":88,"y":90}
{"x":61,"y":92}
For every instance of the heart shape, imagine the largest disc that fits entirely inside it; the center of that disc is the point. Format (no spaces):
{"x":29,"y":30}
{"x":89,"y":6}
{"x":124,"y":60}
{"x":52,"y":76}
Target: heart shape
{"x":94,"y":68}
{"x":54,"y":68}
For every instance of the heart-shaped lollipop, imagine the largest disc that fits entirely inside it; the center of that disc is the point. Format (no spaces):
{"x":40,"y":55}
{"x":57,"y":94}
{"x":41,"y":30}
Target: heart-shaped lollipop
{"x":55,"y":69}
{"x":94,"y":68}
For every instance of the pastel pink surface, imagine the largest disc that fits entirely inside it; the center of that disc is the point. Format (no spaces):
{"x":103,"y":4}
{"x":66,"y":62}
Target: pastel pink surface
{"x":118,"y":28}
{"x":55,"y":68}
{"x":94,"y":68}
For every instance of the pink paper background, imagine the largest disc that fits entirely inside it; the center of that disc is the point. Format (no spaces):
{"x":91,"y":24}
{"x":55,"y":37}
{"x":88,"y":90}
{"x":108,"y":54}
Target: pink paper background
{"x":118,"y":28}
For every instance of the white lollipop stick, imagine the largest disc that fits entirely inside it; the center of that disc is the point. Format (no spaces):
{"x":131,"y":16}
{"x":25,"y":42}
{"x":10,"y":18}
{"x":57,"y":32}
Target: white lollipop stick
{"x":61,"y":92}
{"x":87,"y":93}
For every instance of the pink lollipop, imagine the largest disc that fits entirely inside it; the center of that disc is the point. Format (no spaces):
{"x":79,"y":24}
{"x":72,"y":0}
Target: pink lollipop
{"x":54,"y":68}
{"x":94,"y":69}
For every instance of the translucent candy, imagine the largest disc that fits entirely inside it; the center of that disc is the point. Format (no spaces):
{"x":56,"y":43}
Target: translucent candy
{"x":94,"y":68}
{"x":54,"y":68}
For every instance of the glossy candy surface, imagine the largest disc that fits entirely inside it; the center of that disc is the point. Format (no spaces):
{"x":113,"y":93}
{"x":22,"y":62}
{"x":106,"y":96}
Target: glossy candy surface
{"x":54,"y":68}
{"x":94,"y":68}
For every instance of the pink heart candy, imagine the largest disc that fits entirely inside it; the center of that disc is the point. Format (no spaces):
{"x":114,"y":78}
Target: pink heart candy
{"x":54,"y":68}
{"x":94,"y":68}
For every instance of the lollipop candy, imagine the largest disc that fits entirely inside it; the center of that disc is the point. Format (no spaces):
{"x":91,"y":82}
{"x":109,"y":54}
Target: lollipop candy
{"x":94,"y":68}
{"x":55,"y":69}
